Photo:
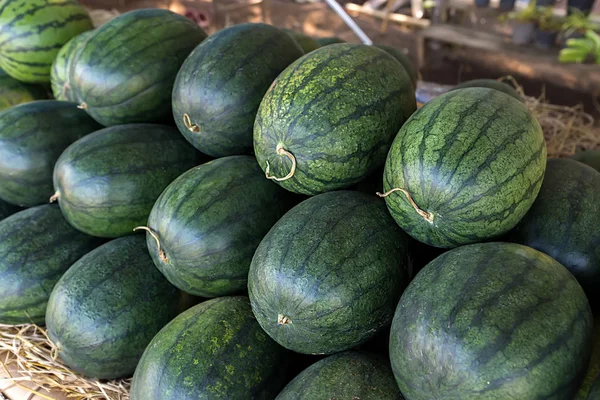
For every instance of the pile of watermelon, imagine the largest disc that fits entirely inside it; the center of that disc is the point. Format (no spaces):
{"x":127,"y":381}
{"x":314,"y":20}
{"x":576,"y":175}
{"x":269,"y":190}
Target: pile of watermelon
{"x":260,"y":215}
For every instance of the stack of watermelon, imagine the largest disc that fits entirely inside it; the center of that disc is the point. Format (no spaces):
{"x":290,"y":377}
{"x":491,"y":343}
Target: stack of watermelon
{"x":199,"y":213}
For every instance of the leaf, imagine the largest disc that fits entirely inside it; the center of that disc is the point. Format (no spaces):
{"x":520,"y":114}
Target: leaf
{"x":581,"y":44}
{"x":572,"y":55}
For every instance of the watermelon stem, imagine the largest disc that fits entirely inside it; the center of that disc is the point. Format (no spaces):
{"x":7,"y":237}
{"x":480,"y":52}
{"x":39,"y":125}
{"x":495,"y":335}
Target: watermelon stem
{"x":427,"y":216}
{"x":188,"y":124}
{"x":283,"y":320}
{"x":161,"y":253}
{"x":83,"y":106}
{"x":54,"y":197}
{"x":282,"y":152}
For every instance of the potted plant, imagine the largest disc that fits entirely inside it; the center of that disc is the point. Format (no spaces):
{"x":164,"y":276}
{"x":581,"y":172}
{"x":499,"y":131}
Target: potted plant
{"x":575,"y":25}
{"x":585,"y":49}
{"x":548,"y":27}
{"x":524,"y":23}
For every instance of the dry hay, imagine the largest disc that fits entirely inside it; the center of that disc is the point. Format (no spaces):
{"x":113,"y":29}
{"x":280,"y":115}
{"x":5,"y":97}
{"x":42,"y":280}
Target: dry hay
{"x":29,"y":357}
{"x":567,"y":129}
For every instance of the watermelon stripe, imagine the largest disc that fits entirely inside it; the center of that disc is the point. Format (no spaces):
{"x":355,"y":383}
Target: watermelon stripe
{"x":41,"y":28}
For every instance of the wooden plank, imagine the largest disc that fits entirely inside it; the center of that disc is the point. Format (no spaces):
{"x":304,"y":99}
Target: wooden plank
{"x":400,"y":18}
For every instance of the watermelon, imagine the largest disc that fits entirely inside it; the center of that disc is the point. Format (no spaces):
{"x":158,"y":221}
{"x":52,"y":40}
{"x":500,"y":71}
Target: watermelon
{"x":329,"y":40}
{"x":33,"y":31}
{"x":215,"y":350}
{"x":593,"y":369}
{"x":589,"y":157}
{"x":327,"y":277}
{"x":32,"y":137}
{"x":59,"y":75}
{"x":37,"y":247}
{"x":563,"y":222}
{"x":404,"y":60}
{"x":349,"y":375}
{"x":465,"y":167}
{"x":307,"y":43}
{"x":491,"y":321}
{"x":13,"y":92}
{"x":490,"y":84}
{"x":221,"y":84}
{"x":107,"y":307}
{"x":7,"y":209}
{"x":594,"y":393}
{"x":209,"y":222}
{"x":329,"y":119}
{"x":106,"y":183}
{"x":125,"y":72}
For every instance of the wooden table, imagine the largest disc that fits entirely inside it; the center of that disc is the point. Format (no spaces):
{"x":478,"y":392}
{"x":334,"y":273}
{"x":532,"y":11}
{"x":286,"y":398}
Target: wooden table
{"x":497,"y":53}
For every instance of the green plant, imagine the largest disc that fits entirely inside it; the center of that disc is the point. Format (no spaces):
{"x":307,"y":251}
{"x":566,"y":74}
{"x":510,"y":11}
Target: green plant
{"x":577,"y":22}
{"x":582,"y":49}
{"x":547,"y":21}
{"x":528,"y":14}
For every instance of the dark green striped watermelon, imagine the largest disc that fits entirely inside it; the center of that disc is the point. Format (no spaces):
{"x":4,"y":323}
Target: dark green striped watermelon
{"x":221,"y":84}
{"x":215,"y":350}
{"x":37,"y":246}
{"x":564,"y":222}
{"x":589,"y":157}
{"x":349,"y":375}
{"x":329,"y":40}
{"x":404,"y":60}
{"x":125,"y":72}
{"x":107,"y":307}
{"x":491,"y":321}
{"x":594,"y":393}
{"x":209,"y":222}
{"x":490,"y":84}
{"x":33,"y":31}
{"x":593,"y":369}
{"x":472,"y":163}
{"x":327,"y":277}
{"x":306,"y":42}
{"x":334,"y":111}
{"x":7,"y":209}
{"x":13,"y":92}
{"x":32,"y":137}
{"x":59,"y":75}
{"x":106,"y":183}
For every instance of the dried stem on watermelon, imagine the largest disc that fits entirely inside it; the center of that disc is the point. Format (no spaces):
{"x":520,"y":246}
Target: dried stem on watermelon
{"x":27,"y":362}
{"x":282,"y":152}
{"x":427,"y":216}
{"x":189,"y":125}
{"x":83,"y":106}
{"x":54,"y":197}
{"x":161,"y":253}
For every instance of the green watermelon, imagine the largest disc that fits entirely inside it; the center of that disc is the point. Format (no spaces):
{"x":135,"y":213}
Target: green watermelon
{"x":490,"y":84}
{"x":13,"y":92}
{"x":32,"y":137}
{"x":465,"y":167}
{"x":106,"y":183}
{"x":564,"y":222}
{"x":404,"y":60}
{"x":329,"y":274}
{"x":209,"y":222}
{"x":589,"y":157}
{"x":329,"y":40}
{"x":59,"y":75}
{"x":221,"y":84}
{"x":215,"y":350}
{"x":125,"y":72}
{"x":594,"y":366}
{"x":7,"y":209}
{"x":594,"y":393}
{"x":329,"y":119}
{"x":491,"y":321}
{"x":37,"y":247}
{"x":33,"y":31}
{"x":307,"y":43}
{"x":107,"y":307}
{"x":349,"y":375}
